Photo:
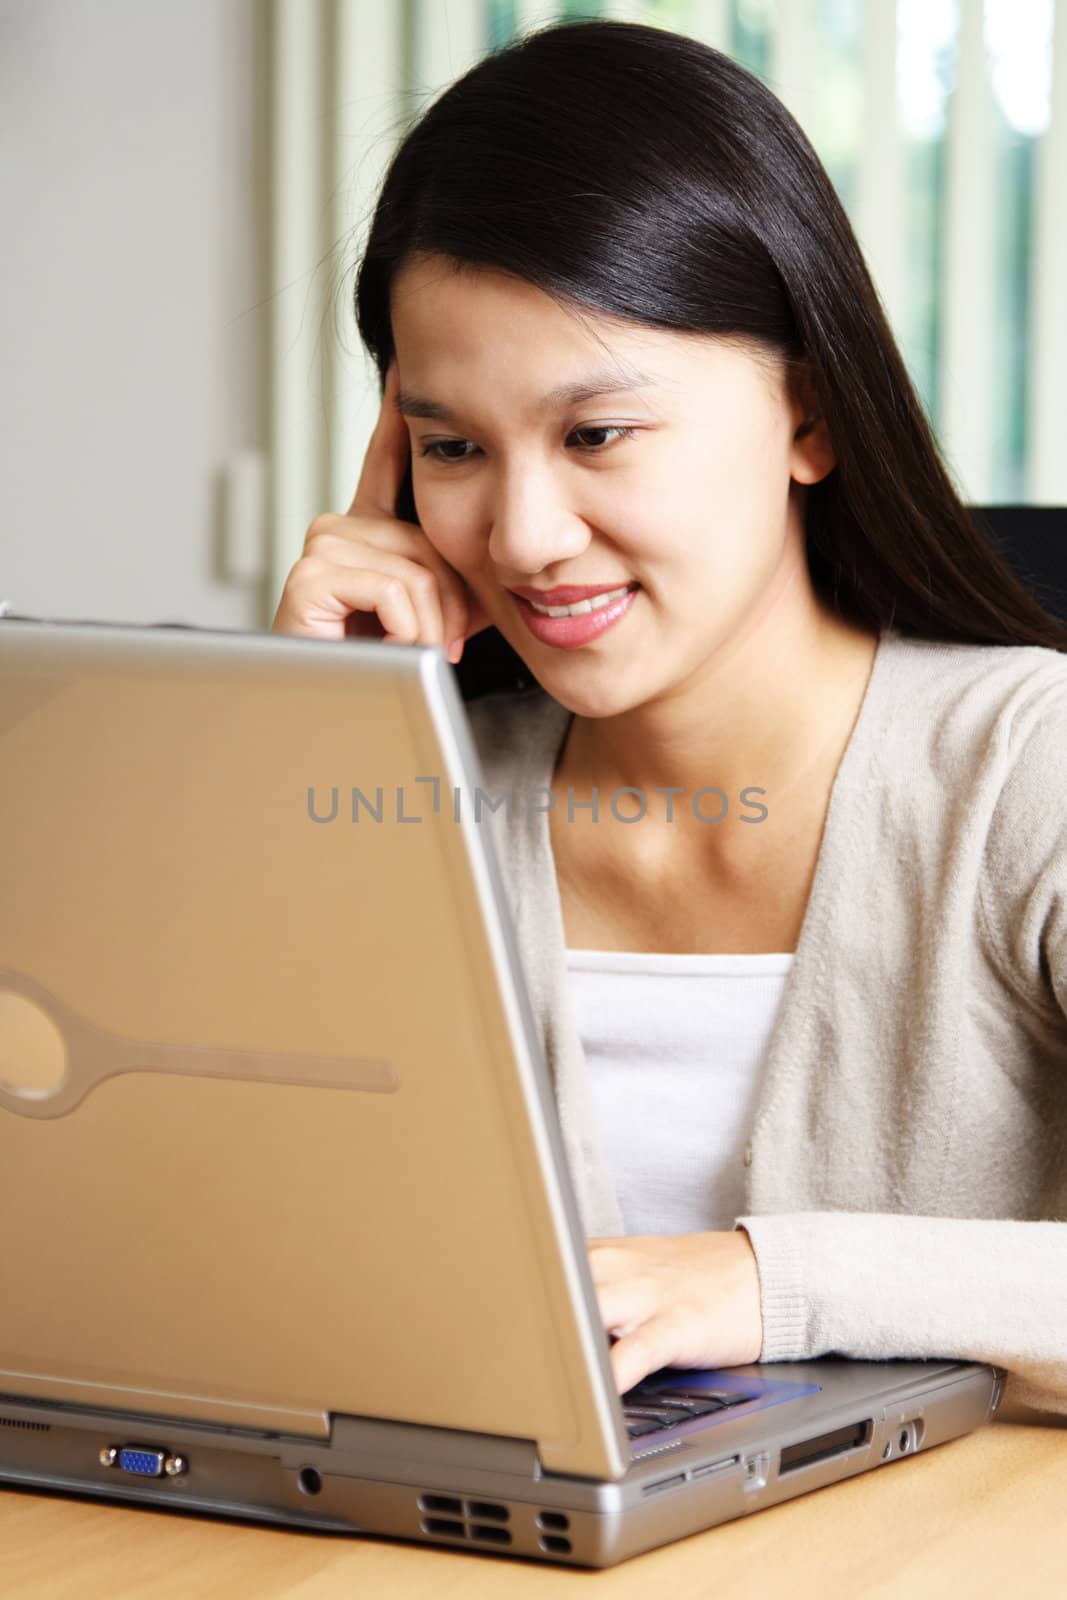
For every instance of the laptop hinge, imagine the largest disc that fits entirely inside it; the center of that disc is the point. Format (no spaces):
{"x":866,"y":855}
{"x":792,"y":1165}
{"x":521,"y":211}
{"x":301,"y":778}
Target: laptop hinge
{"x":413,"y":1445}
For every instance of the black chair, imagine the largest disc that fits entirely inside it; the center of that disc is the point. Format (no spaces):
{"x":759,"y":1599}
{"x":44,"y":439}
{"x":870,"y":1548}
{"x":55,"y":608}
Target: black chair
{"x":1031,"y":539}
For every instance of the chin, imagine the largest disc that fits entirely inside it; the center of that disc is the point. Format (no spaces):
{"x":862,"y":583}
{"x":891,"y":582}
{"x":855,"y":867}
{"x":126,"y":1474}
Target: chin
{"x":593,"y":700}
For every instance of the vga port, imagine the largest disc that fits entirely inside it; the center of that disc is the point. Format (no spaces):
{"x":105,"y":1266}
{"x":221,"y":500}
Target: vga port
{"x":141,"y":1462}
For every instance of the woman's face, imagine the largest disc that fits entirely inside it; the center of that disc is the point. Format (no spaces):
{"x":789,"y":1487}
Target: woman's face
{"x":686,"y":486}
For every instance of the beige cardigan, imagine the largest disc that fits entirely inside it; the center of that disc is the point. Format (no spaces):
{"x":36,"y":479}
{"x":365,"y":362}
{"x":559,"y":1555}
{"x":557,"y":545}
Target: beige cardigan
{"x":906,"y":1176}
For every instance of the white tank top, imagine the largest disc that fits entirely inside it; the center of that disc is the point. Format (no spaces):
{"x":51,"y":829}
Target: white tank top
{"x":674,"y":1045}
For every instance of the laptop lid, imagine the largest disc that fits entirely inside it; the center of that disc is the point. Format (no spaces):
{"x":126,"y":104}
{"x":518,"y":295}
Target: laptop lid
{"x":277,"y":1137}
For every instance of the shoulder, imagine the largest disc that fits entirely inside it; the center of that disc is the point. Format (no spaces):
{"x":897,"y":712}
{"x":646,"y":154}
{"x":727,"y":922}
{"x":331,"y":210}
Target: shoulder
{"x":978,"y":717}
{"x":962,"y":788}
{"x":1004,"y":679}
{"x":1027,"y":838}
{"x":980,"y":731}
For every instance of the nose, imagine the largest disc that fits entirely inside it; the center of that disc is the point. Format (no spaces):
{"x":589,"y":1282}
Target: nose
{"x":533,"y":525}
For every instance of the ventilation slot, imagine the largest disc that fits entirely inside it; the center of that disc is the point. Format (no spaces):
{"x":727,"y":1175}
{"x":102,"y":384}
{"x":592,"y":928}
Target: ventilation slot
{"x":452,"y":1518}
{"x":487,"y":1511}
{"x":554,"y":1521}
{"x":441,"y":1502}
{"x":445,"y":1526}
{"x":30,"y":1427}
{"x":556,"y":1544}
{"x":491,"y":1532}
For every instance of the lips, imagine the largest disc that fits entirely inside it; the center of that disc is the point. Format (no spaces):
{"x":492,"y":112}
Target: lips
{"x":568,"y":594}
{"x":579,"y":623}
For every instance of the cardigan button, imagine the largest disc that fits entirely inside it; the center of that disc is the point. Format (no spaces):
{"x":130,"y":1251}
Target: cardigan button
{"x":748,"y":1154}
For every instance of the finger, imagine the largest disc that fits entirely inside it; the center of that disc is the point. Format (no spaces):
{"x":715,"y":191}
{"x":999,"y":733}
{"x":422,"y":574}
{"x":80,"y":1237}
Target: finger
{"x":608,"y":1259}
{"x":628,"y":1302}
{"x":423,"y":592}
{"x":387,"y":457}
{"x":646,"y":1349}
{"x":460,"y":610}
{"x":323,"y":610}
{"x":442,"y":601}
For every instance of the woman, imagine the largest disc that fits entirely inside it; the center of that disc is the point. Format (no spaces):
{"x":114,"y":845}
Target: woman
{"x":629,"y":345}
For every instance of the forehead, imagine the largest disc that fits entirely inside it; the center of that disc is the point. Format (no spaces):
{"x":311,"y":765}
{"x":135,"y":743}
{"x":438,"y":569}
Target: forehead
{"x":436,"y":303}
{"x":450,"y":319}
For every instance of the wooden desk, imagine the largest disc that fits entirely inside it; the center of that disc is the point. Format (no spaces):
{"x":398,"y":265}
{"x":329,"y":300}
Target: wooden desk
{"x":981,"y":1516}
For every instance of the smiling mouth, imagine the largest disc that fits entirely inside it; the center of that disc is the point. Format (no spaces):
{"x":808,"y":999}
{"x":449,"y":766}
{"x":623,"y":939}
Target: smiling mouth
{"x":582,"y":608}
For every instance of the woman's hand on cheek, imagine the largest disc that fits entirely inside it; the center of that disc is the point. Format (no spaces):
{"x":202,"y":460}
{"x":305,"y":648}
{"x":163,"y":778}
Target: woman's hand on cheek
{"x":678,"y":1300}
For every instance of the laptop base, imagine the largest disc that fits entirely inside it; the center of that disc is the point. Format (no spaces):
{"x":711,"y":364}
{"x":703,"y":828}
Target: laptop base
{"x":504,"y":1505}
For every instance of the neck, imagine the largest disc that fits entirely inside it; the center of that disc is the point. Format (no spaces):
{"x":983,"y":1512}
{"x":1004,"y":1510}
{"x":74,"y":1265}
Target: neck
{"x":772,"y":709}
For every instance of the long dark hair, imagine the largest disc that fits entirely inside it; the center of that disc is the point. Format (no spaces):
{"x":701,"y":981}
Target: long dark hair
{"x":628,"y":170}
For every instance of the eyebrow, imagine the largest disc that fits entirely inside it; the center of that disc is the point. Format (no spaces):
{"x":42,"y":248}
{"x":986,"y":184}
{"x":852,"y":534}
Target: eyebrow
{"x":590,"y":387}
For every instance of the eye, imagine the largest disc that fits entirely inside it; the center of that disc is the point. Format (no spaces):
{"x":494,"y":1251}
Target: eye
{"x":432,"y":450}
{"x":435,"y":446}
{"x":593,"y":427}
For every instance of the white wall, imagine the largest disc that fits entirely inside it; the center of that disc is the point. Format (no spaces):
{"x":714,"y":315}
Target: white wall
{"x":133,"y":335}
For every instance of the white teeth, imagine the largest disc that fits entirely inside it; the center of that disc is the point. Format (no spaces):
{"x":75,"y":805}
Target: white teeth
{"x":580,"y":609}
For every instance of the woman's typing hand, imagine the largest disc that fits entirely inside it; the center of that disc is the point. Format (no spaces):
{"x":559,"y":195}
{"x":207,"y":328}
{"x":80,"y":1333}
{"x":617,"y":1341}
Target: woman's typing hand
{"x":678,"y":1300}
{"x":369,"y":575}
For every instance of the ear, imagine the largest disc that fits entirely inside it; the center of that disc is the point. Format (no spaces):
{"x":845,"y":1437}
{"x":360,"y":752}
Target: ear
{"x":812,"y":457}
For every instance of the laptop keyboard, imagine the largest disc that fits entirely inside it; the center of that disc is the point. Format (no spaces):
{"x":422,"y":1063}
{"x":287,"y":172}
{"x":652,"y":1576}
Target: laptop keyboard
{"x":653,"y":1405}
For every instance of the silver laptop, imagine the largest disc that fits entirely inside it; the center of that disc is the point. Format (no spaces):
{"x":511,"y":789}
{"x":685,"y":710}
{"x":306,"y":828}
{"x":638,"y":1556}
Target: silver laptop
{"x":289,"y":1233}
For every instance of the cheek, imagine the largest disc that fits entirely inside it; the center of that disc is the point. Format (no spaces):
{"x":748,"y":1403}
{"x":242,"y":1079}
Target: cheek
{"x":448,"y":521}
{"x":726,"y":490}
{"x":684,"y":479}
{"x":459,"y":551}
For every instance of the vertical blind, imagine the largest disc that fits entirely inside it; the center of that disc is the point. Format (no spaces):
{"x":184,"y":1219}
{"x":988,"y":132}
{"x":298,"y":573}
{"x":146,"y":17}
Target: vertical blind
{"x":943,"y":124}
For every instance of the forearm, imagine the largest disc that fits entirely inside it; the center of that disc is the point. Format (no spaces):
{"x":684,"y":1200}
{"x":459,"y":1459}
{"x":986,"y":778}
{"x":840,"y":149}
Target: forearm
{"x":874,"y":1285}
